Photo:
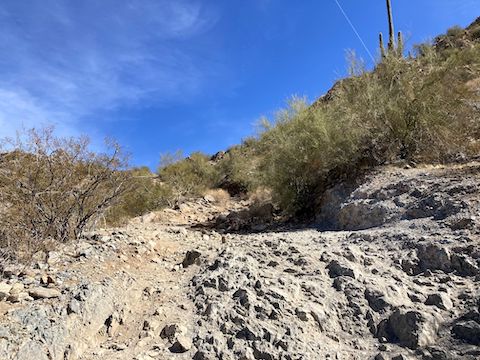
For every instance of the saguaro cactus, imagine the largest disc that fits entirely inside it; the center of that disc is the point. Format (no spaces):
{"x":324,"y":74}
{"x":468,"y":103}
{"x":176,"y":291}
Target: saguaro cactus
{"x":400,"y":45}
{"x":391,"y":30}
{"x":382,"y":48}
{"x":392,"y":48}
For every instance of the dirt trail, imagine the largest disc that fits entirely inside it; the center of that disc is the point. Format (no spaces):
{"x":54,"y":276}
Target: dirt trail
{"x":396,"y":277}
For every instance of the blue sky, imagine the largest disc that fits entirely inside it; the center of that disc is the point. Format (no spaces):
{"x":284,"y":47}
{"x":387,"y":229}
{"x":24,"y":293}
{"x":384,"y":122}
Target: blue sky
{"x":162,"y":75}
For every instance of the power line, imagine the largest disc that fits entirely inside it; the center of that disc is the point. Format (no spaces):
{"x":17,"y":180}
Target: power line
{"x":355,"y":30}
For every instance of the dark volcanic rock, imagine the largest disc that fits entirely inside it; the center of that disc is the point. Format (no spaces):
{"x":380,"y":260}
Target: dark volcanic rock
{"x":408,"y":328}
{"x":335,"y":269}
{"x":468,"y":331}
{"x":191,"y":257}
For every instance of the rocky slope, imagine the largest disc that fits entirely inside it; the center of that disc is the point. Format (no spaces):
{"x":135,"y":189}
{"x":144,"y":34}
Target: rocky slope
{"x":390,"y":271}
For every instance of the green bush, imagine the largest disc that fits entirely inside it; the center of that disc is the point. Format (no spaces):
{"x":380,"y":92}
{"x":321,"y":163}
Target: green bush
{"x":300,"y":149}
{"x":188,"y":177}
{"x":238,"y":169}
{"x":406,"y":109}
{"x":455,"y":31}
{"x":146,"y":194}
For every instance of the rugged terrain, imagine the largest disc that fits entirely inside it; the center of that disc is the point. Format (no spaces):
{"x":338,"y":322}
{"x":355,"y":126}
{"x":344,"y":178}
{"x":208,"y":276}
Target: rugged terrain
{"x":390,"y":270}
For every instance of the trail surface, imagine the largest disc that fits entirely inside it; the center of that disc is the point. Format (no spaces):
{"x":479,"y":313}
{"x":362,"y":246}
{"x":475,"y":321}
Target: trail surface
{"x":396,"y":277}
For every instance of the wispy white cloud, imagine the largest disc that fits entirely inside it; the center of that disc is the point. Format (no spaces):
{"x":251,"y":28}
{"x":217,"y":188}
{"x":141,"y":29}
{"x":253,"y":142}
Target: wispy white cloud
{"x":63,"y":61}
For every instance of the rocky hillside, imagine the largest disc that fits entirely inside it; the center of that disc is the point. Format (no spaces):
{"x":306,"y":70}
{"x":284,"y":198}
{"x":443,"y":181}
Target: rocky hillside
{"x":390,"y":271}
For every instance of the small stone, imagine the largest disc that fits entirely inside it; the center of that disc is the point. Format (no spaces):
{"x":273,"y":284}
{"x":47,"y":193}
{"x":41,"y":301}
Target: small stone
{"x":400,"y":357}
{"x":47,"y":280}
{"x":151,"y":325}
{"x":18,"y":297}
{"x":463,"y":222}
{"x":464,"y":266}
{"x":119,"y":347}
{"x":191,"y":257}
{"x":246,"y":334}
{"x":416,"y":298}
{"x":376,"y":300}
{"x":17,"y":288}
{"x":182,"y":344}
{"x":43,"y":293}
{"x":440,"y":300}
{"x":74,"y":307}
{"x":4,"y":290}
{"x":223,"y":284}
{"x":53,"y":257}
{"x":301,"y":314}
{"x":171,"y":330}
{"x":335,"y":269}
{"x":242,"y":296}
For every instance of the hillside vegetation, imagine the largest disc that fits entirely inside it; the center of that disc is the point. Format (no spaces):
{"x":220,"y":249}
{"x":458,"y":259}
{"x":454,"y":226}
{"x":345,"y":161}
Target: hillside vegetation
{"x":421,"y":108}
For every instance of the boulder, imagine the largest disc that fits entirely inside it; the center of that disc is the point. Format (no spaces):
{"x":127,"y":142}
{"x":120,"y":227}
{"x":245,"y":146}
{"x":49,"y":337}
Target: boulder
{"x":364,"y":214}
{"x":468,"y":331}
{"x":408,"y":328}
{"x":335,"y":269}
{"x":376,"y":300}
{"x":170,"y":331}
{"x":434,"y":257}
{"x":464,"y":266}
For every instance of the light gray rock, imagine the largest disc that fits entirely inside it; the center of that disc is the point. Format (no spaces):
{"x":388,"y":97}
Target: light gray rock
{"x":43,"y":293}
{"x":364,"y":214}
{"x":4,"y":290}
{"x":31,"y":350}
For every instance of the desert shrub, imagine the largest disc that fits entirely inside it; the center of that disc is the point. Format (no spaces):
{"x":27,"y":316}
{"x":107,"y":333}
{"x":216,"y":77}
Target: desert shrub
{"x":220,"y":196}
{"x":188,"y":177}
{"x":455,"y":31}
{"x":52,"y":189}
{"x":261,"y":195}
{"x":475,"y":32}
{"x":300,"y":148}
{"x":239,"y":168}
{"x":146,"y":193}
